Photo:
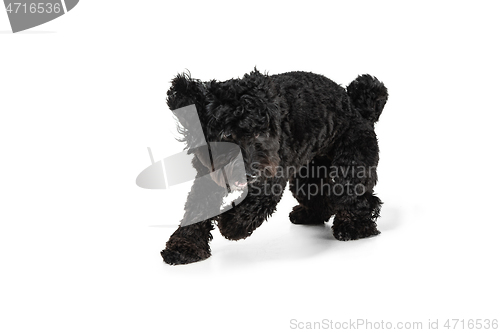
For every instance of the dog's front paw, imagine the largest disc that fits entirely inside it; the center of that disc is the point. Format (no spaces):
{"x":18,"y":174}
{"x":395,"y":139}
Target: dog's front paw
{"x":180,"y":252}
{"x":351,"y":231}
{"x":233,"y":229}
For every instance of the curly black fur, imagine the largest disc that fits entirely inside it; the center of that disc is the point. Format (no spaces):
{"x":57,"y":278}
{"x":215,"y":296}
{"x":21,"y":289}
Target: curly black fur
{"x":296,"y":127}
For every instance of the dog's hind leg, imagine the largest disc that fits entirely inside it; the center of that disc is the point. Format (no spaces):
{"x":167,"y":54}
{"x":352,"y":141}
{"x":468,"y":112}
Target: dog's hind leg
{"x":311,"y":185}
{"x":355,"y":161}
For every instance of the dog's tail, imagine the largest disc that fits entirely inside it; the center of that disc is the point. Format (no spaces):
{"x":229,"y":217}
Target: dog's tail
{"x":368,"y":95}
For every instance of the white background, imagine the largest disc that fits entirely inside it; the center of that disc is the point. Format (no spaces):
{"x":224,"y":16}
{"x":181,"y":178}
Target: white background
{"x":82,"y":97}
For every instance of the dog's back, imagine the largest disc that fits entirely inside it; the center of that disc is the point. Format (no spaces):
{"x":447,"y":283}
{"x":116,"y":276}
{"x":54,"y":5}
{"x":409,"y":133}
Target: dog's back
{"x":316,"y":108}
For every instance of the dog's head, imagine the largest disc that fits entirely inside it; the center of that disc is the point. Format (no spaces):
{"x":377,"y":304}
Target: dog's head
{"x":241,"y":111}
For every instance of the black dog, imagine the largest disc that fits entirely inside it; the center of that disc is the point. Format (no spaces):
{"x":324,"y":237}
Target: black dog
{"x":298,"y":127}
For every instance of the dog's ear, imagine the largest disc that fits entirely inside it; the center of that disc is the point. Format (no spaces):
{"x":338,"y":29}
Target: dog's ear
{"x":260,"y":110}
{"x":260,"y":101}
{"x":248,"y":103}
{"x":186,"y":91}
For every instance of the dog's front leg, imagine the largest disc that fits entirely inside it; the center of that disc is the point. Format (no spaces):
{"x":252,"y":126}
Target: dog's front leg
{"x":260,"y":203}
{"x":189,"y":243}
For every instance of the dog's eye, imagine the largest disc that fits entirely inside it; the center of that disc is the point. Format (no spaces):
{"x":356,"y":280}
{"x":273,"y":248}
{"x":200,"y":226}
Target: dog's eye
{"x":226,"y":135}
